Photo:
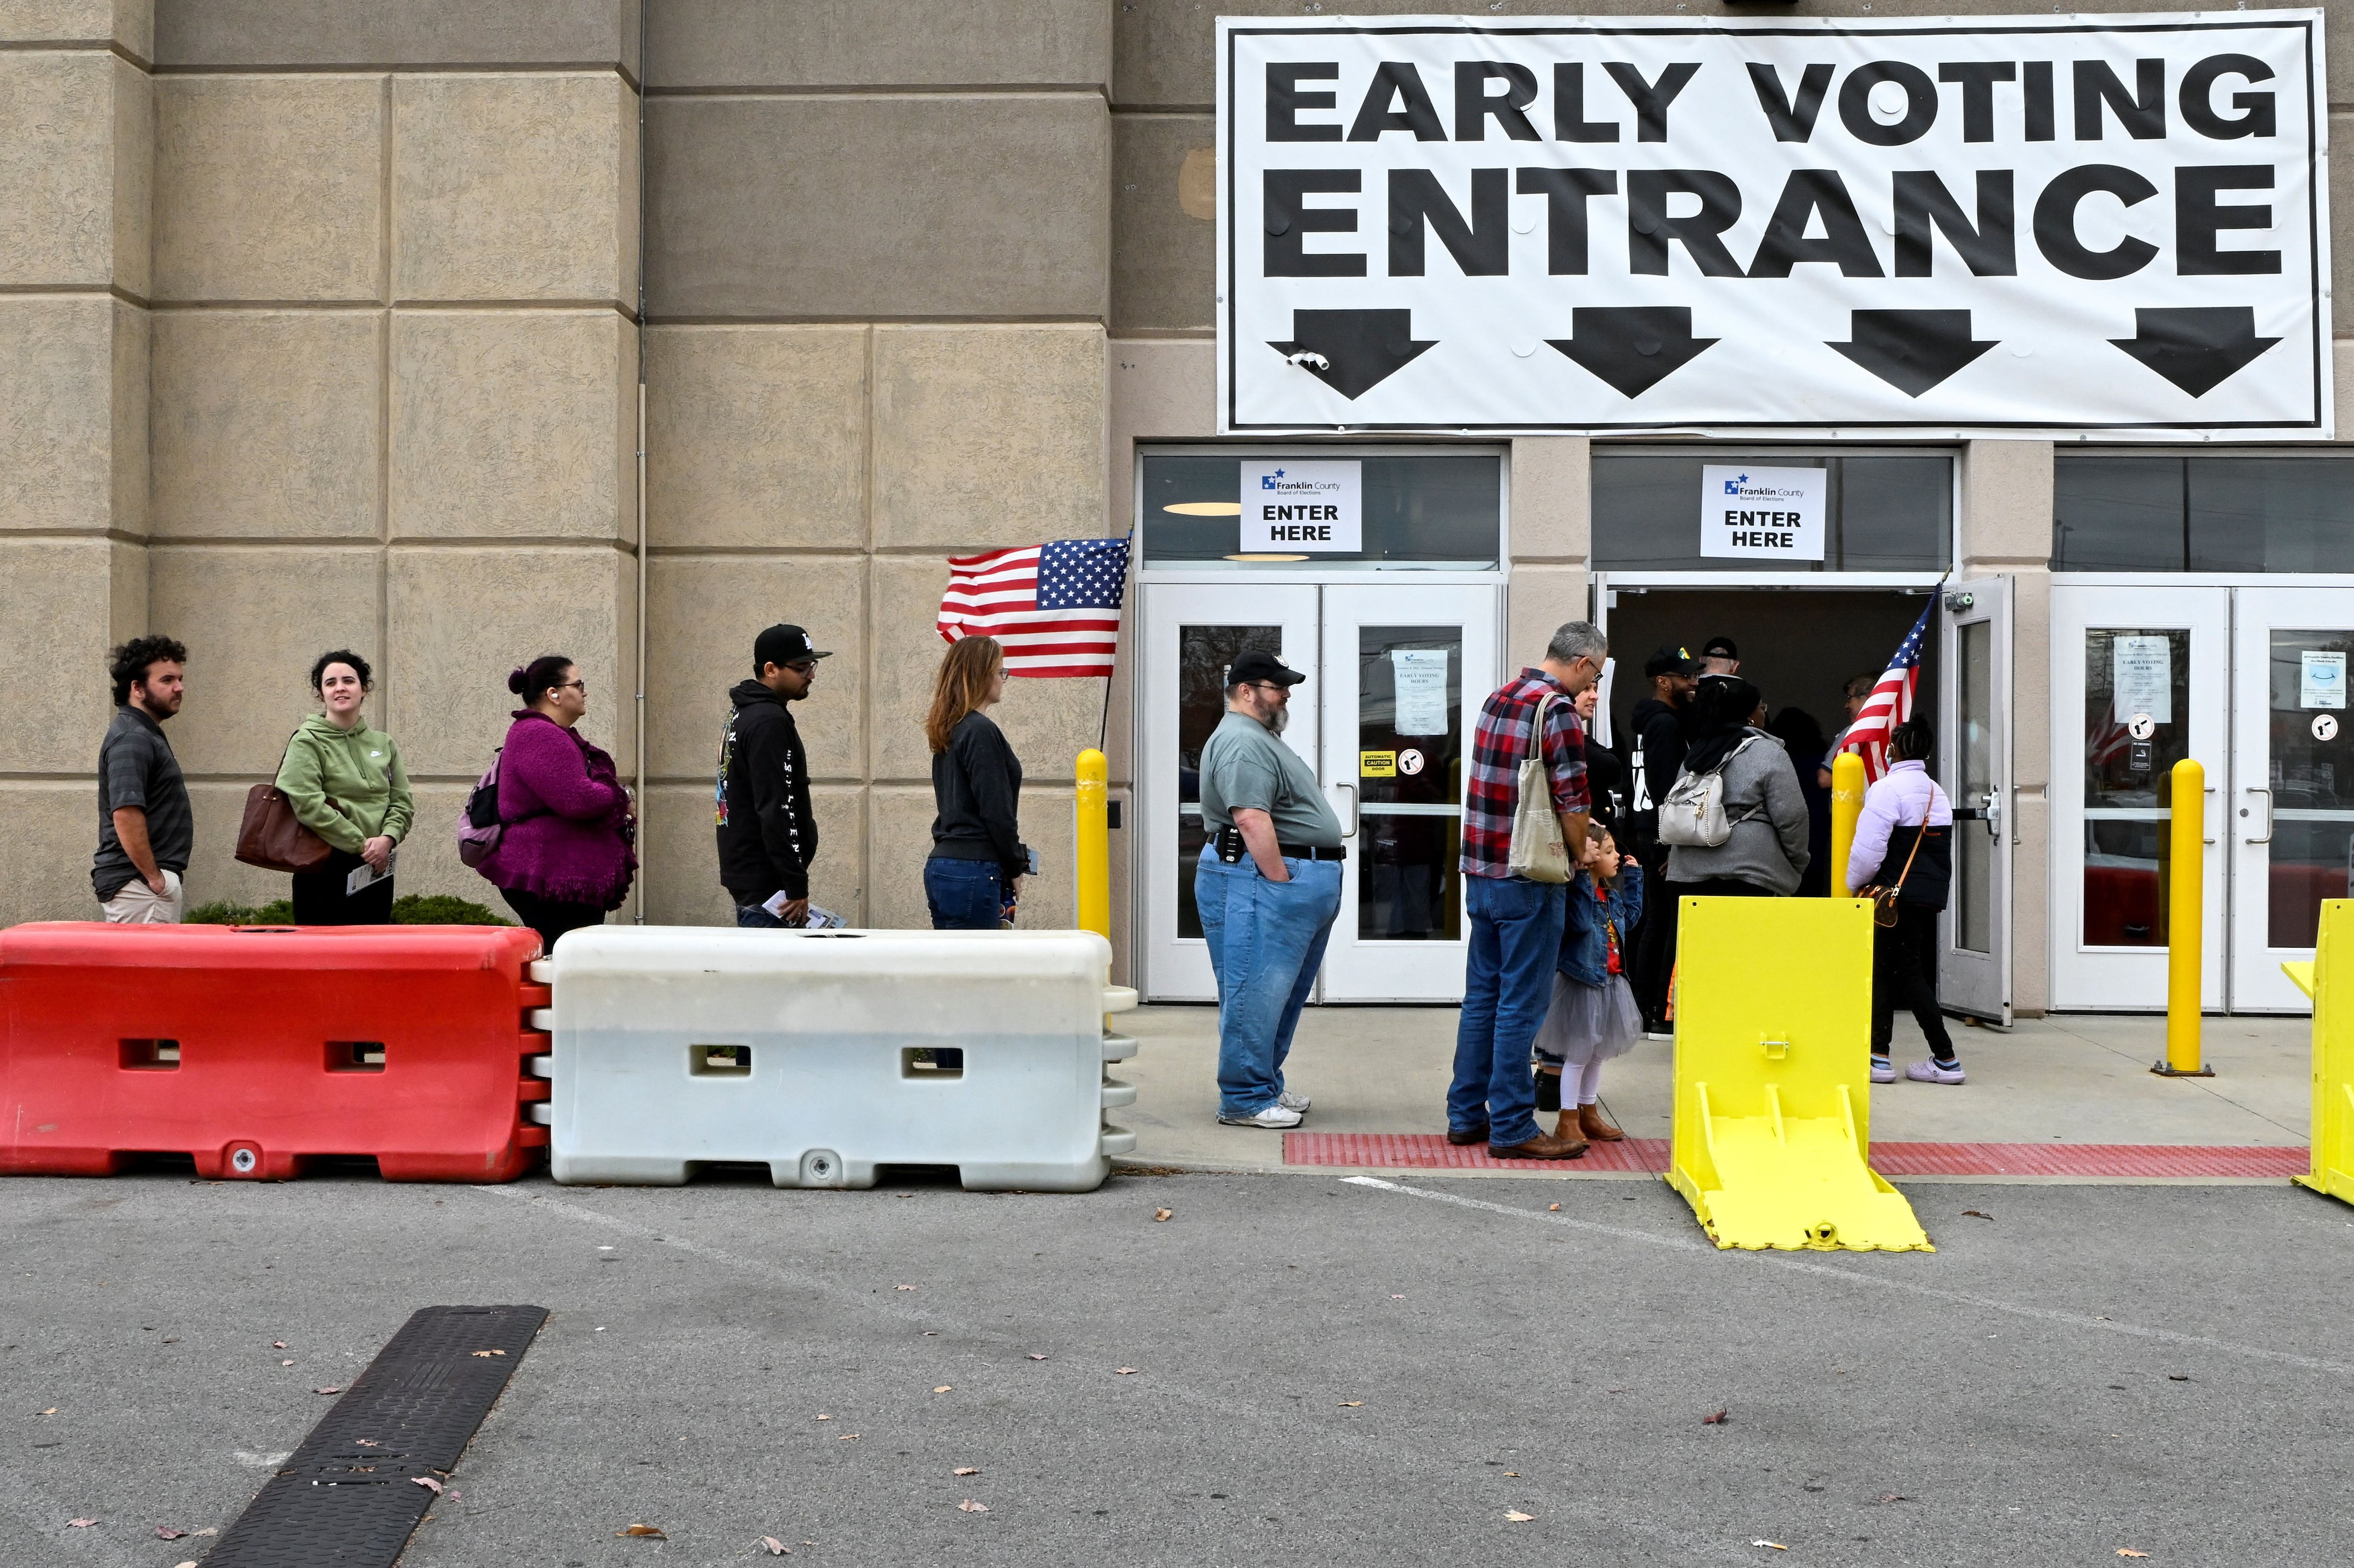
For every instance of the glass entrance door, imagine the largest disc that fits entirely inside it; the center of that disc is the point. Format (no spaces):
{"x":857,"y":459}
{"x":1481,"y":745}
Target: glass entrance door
{"x":2139,"y":683}
{"x":1403,"y":667}
{"x":2291,"y":808}
{"x":1975,"y":976}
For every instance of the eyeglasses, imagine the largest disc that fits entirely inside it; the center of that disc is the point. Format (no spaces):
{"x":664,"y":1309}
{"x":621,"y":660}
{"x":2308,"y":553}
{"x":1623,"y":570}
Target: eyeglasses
{"x":580,"y":686}
{"x":803,"y":667}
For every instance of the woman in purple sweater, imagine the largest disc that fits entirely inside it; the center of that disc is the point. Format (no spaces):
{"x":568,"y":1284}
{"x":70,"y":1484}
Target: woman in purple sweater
{"x":565,"y":854}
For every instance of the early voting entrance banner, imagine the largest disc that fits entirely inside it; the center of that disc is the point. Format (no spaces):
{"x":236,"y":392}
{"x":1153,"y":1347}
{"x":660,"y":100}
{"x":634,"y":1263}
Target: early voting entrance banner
{"x":2005,"y":225}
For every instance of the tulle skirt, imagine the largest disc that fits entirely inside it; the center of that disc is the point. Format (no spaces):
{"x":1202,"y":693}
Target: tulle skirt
{"x":1589,"y":1024}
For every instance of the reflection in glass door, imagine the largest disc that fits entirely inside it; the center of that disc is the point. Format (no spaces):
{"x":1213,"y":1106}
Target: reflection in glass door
{"x":2291,"y":808}
{"x":1975,"y":971}
{"x":2138,"y":684}
{"x":1403,"y":670}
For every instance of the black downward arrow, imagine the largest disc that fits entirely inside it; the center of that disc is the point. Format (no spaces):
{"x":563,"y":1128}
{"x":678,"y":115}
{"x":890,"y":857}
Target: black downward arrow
{"x":1632,"y":347}
{"x":1359,"y":349}
{"x":1911,"y":350}
{"x":2197,"y":347}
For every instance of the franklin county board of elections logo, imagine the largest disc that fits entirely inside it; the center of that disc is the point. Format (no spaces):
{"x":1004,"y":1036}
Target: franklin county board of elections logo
{"x":1739,"y":486}
{"x":1267,"y":481}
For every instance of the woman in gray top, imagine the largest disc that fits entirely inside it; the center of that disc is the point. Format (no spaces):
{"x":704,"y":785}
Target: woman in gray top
{"x":1767,"y":852}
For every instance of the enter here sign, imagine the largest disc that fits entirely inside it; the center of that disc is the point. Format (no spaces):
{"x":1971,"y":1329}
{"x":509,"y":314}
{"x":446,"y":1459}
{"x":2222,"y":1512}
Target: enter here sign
{"x":1290,"y":507}
{"x":1763,"y":513}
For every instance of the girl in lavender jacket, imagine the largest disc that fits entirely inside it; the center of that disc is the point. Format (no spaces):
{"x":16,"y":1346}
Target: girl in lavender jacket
{"x":1904,"y":809}
{"x":565,"y":854}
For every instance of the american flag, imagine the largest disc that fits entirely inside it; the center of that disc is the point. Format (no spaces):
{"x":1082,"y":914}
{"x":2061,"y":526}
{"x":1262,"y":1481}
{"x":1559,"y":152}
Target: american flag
{"x":1891,"y":701}
{"x":1056,"y":607}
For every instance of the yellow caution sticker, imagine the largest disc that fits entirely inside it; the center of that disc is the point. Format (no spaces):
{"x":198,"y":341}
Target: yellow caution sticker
{"x":1377,"y":763}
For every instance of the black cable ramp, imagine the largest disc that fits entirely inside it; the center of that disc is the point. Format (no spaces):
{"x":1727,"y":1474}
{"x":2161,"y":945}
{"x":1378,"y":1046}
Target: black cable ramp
{"x":349,"y":1498}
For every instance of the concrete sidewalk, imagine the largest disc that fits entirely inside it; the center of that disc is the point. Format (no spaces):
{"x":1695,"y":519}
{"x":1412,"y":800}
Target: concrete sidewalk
{"x":2075,"y":1078}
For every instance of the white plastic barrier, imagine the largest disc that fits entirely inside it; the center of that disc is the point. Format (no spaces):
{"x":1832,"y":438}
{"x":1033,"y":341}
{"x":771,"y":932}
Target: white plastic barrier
{"x":824,"y":1055}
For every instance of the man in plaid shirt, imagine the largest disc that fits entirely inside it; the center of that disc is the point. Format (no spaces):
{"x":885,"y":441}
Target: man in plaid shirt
{"x":1516,"y":923}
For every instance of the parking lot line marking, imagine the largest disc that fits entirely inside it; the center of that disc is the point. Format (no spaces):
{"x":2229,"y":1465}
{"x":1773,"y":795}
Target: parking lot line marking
{"x":1852,"y":1276}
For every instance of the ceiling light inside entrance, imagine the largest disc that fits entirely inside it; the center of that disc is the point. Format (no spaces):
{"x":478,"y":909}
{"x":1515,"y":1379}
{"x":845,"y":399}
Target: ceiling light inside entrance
{"x":1205,"y":508}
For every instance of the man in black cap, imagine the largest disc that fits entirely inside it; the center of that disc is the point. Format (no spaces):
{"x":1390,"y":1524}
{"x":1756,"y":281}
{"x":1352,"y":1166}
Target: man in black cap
{"x":1267,"y":887}
{"x":1658,"y":731}
{"x":768,"y":834}
{"x":1720,"y":656}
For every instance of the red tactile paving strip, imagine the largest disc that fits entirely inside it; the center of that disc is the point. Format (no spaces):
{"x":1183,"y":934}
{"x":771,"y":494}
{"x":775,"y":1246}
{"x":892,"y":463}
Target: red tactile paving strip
{"x":1431,"y":1152}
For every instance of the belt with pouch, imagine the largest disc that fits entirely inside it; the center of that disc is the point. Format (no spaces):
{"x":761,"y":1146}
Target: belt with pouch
{"x":1311,"y":852}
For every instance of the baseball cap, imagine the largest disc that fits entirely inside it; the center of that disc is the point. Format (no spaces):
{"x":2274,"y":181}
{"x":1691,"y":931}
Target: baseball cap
{"x":1255,"y":665}
{"x":783,"y":644}
{"x":1670,"y":661}
{"x":1720,"y":647}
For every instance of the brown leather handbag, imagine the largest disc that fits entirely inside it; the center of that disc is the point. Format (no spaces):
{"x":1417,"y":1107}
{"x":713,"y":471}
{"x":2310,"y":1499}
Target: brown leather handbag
{"x":1883,"y":899}
{"x":271,"y":836}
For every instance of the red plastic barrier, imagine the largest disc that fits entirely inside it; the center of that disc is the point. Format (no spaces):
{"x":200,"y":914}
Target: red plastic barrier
{"x":255,"y":1050}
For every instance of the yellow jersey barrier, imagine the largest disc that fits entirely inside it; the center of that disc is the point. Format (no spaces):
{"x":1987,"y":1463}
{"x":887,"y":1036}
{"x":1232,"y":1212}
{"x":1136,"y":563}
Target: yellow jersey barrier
{"x":2333,"y":1051}
{"x":1772,"y":1078}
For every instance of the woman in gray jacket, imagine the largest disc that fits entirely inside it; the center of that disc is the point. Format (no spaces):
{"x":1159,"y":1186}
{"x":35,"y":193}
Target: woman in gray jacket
{"x":1766,"y":853}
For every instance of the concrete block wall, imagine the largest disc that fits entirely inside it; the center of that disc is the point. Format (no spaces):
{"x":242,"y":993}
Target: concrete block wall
{"x":877,"y":265}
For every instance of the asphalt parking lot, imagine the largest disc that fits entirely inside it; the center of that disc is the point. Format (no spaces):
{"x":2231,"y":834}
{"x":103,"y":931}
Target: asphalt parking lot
{"x":1289,"y":1369}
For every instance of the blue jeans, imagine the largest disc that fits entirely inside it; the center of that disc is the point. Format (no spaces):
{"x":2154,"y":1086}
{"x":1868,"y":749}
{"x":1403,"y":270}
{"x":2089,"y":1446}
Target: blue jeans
{"x":964,"y":894}
{"x":1507,"y":986}
{"x":757,"y":918}
{"x":1267,"y":941}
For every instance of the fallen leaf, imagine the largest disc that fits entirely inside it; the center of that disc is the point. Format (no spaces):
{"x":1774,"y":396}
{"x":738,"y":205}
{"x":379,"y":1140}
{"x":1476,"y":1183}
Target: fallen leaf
{"x":428,"y":1483}
{"x":490,"y":1353}
{"x":1775,"y":1545}
{"x":968,"y":1470}
{"x":165,"y":1533}
{"x":1159,"y":1215}
{"x":945,"y":1388}
{"x":2129,"y":1552}
{"x":1125,"y":1371}
{"x":968,"y":1506}
{"x":1517,"y":1517}
{"x":903,"y":1288}
{"x":285,"y":1363}
{"x":79,"y":1523}
{"x":1978,"y":1215}
{"x":847,"y":1437}
{"x":331,"y":1388}
{"x":1351,"y":1403}
{"x":364,"y":1442}
{"x":52,"y":1410}
{"x":825,"y":1418}
{"x":277,"y":1344}
{"x":1717,"y":1420}
{"x":1514,"y":1474}
{"x":648,"y":1531}
{"x":1555,"y":1210}
{"x":776,"y":1548}
{"x":1036,"y":1357}
{"x":1893,"y":1496}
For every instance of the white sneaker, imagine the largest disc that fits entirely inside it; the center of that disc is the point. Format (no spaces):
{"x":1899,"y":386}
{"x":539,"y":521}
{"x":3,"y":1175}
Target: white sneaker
{"x":1291,"y":1101}
{"x":1929,"y":1071}
{"x":1276,"y":1117}
{"x":1882,"y":1072}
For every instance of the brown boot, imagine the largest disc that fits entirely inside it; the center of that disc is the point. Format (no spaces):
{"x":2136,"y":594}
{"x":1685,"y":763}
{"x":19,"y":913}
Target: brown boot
{"x":1594,"y":1125}
{"x":1543,"y":1146}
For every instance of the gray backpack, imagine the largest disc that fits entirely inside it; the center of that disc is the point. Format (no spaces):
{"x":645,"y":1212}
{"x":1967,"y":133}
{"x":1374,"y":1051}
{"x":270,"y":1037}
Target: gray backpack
{"x":1692,"y":816}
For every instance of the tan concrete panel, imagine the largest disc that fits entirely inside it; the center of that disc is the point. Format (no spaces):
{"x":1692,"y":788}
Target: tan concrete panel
{"x":398,"y":33}
{"x":131,"y":23}
{"x":988,"y":435}
{"x":1537,"y":600}
{"x":73,"y":413}
{"x":460,"y":620}
{"x":1165,"y":227}
{"x":269,"y":187}
{"x":253,"y":621}
{"x":515,"y":187}
{"x":62,"y":606}
{"x":519,"y":423}
{"x":702,"y":613}
{"x":1047,"y":721}
{"x":266,"y":423}
{"x":921,"y":204}
{"x":2006,"y":504}
{"x":1162,"y":389}
{"x":682,"y":856}
{"x":851,"y":43}
{"x":1552,"y":499}
{"x":756,"y":436}
{"x":52,"y":834}
{"x":134,"y":180}
{"x":60,"y":218}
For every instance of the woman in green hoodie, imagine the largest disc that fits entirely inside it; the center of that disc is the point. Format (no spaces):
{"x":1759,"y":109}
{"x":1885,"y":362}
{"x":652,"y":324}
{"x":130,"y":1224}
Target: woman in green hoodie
{"x":345,"y":784}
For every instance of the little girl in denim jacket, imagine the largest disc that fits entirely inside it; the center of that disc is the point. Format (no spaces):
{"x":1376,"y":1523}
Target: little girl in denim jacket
{"x":1593,"y":1016}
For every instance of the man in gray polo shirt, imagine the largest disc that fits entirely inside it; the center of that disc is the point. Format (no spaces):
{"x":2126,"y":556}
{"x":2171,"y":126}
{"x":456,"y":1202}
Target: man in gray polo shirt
{"x":144,"y":827}
{"x":1268,"y":886}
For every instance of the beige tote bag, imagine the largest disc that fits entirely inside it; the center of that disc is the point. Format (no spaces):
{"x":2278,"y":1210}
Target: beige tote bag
{"x":1539,"y":851}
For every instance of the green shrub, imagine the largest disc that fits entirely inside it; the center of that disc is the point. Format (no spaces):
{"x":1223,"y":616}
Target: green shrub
{"x":416,"y":909}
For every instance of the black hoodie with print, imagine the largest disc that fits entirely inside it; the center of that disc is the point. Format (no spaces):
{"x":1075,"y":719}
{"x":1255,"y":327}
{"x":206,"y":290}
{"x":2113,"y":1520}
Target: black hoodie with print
{"x":768,"y":833}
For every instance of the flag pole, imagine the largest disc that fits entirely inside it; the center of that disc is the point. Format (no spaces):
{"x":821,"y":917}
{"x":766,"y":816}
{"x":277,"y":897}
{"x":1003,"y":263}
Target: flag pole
{"x":1103,"y":727}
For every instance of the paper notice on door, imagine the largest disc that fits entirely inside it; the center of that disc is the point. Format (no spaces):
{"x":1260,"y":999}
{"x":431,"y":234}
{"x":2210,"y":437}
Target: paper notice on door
{"x":2323,"y":682}
{"x":1421,"y":677}
{"x":2141,"y":674}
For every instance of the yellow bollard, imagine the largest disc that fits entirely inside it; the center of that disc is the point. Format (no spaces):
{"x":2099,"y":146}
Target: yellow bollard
{"x":1847,"y":805}
{"x":1092,"y":863}
{"x":2187,"y":870}
{"x":2333,"y":1053}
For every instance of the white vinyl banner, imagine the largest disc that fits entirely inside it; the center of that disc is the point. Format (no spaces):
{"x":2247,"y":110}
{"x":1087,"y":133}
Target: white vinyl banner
{"x":1986,"y":224}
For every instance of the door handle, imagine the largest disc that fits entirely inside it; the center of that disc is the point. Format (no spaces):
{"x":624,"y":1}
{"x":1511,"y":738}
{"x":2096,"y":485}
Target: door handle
{"x":2207,"y":838}
{"x":2268,"y":794}
{"x":1992,"y":806}
{"x":1350,"y":832}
